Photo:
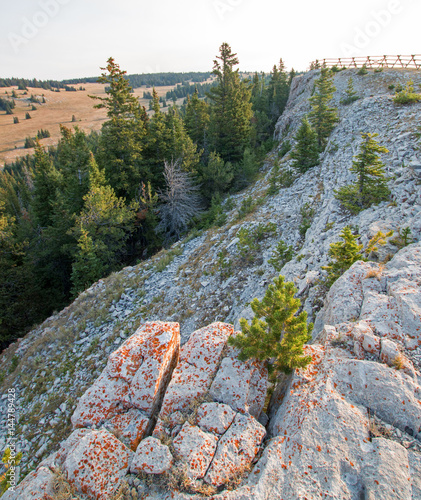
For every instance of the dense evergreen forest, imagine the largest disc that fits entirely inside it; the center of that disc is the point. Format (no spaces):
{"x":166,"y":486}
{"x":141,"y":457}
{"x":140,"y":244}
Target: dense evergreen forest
{"x":23,"y":83}
{"x":97,"y":202}
{"x":151,"y":79}
{"x":148,"y":79}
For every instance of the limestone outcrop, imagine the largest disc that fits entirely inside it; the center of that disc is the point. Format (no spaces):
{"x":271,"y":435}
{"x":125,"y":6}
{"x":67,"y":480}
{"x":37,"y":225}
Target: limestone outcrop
{"x":151,"y":386}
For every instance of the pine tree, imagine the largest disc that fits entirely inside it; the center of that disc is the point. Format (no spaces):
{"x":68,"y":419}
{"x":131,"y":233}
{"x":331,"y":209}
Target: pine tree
{"x":279,"y":337}
{"x":20,"y":300}
{"x":322,"y":117}
{"x":88,"y":267}
{"x":196,"y":120}
{"x":47,"y":183}
{"x":231,"y":108}
{"x":72,"y":161}
{"x":122,"y":138}
{"x":179,"y":144}
{"x":371,"y":185}
{"x":167,"y":139}
{"x":350,"y":94}
{"x":216,"y":176}
{"x":278,"y":91}
{"x":96,"y":175}
{"x":343,"y":254}
{"x":155,"y":101}
{"x":306,"y":151}
{"x":108,"y":224}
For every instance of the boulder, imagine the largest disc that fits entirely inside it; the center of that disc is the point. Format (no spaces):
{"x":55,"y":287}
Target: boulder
{"x":242,"y":385}
{"x":215,"y":417}
{"x":389,"y":352}
{"x":345,"y":297}
{"x":102,"y":401}
{"x":146,"y":361}
{"x":37,"y":485}
{"x":130,"y":427}
{"x":126,"y":360}
{"x":151,"y":457}
{"x":97,"y":463}
{"x":236,"y":450}
{"x":160,"y":356}
{"x":196,"y":448}
{"x":199,"y":361}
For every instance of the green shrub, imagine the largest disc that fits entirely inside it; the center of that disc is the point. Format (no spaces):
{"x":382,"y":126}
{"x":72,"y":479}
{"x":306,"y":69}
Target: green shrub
{"x":284,"y":149}
{"x":306,"y":150}
{"x":13,"y":364}
{"x":280,"y":178}
{"x":362,"y":71}
{"x":6,"y":478}
{"x":350,"y":95}
{"x":247,"y":207}
{"x":407,"y":95}
{"x":404,"y":237}
{"x":281,"y":255}
{"x":224,"y":264}
{"x":41,"y":134}
{"x":215,"y":216}
{"x":250,"y":239}
{"x":307,"y":215}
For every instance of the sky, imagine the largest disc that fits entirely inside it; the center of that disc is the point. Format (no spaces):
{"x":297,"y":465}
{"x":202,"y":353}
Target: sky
{"x":60,"y":39}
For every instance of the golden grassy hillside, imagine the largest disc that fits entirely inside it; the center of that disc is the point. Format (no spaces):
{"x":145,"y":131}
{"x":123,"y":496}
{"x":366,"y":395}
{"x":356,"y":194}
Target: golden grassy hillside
{"x":58,"y":109}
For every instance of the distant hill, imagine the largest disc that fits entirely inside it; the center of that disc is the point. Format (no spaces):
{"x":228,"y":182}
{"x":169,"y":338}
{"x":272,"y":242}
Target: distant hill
{"x":137,"y":80}
{"x":152,"y":79}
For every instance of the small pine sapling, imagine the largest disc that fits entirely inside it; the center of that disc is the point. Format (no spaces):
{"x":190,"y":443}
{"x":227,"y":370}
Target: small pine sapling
{"x":371,"y":184}
{"x":277,"y":334}
{"x":350,"y":94}
{"x":379,"y":239}
{"x":281,"y":255}
{"x":343,"y":254}
{"x":404,"y":237}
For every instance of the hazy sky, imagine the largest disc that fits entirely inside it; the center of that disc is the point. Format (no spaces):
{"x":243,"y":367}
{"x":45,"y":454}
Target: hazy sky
{"x":61,"y":39}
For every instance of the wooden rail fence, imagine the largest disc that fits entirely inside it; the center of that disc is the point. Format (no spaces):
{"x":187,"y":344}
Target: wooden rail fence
{"x":413,"y":61}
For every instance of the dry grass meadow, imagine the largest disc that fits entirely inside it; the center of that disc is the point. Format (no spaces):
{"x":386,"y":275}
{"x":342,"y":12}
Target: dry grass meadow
{"x":58,"y":109}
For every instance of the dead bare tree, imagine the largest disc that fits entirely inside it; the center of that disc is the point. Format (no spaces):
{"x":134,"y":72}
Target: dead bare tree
{"x":180,"y":202}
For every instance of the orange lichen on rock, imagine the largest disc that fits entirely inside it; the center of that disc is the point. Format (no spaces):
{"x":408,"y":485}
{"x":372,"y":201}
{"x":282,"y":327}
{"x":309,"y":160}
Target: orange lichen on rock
{"x":160,"y":357}
{"x":236,"y":449}
{"x":199,"y":360}
{"x":151,"y":457}
{"x":97,"y":463}
{"x":196,"y":448}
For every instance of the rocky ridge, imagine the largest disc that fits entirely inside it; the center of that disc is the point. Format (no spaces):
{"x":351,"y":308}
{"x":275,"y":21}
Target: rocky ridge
{"x":206,"y":278}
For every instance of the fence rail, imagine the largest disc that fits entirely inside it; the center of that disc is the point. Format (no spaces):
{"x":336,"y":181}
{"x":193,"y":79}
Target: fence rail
{"x":413,"y":61}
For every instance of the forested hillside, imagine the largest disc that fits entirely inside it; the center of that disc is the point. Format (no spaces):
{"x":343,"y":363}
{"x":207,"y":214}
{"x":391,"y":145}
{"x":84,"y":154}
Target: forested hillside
{"x":77,"y":212}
